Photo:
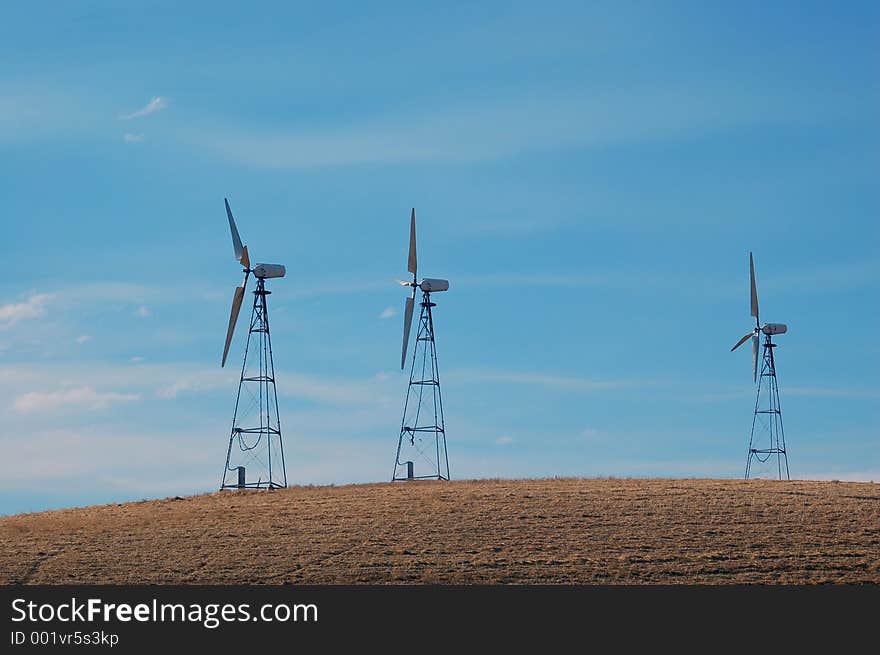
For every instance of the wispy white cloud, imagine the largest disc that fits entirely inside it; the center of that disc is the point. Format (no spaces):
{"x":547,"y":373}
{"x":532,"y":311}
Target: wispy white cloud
{"x":822,"y":279}
{"x":174,"y":389}
{"x":130,"y":137}
{"x":100,"y":292}
{"x":851,"y":275}
{"x":95,"y":460}
{"x":169,"y":381}
{"x":506,"y":126}
{"x":623,"y":280}
{"x":560,"y":382}
{"x":156,"y":103}
{"x":42,"y":110}
{"x":832,"y":392}
{"x":33,"y":307}
{"x":83,"y":338}
{"x":134,"y":463}
{"x":332,"y":390}
{"x":143,"y":312}
{"x":79,"y":398}
{"x":388,"y":312}
{"x":320,"y":389}
{"x":314,"y":288}
{"x":852,"y":393}
{"x":712,"y":396}
{"x":144,"y":378}
{"x":503,"y":440}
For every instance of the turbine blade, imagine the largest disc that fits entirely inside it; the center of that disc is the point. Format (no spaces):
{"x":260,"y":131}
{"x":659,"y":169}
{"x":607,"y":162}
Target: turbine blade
{"x":411,"y":267}
{"x":754,"y":288}
{"x":755,"y":358}
{"x":742,"y":341}
{"x":236,"y":240}
{"x":407,"y":326}
{"x":245,"y":259}
{"x":233,"y":317}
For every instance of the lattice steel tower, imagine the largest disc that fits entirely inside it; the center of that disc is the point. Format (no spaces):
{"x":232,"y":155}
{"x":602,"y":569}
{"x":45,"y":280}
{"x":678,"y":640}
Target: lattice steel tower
{"x":767,"y":437}
{"x":255,"y":455}
{"x":421,"y":444}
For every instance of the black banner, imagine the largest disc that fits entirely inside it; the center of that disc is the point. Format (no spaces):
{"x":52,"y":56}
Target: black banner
{"x":236,"y":619}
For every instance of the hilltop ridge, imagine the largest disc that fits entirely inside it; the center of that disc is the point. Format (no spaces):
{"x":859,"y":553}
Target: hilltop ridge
{"x":574,"y":531}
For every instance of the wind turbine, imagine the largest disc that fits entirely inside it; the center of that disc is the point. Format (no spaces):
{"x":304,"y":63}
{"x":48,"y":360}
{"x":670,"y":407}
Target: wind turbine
{"x":255,"y":451}
{"x":767,"y":419}
{"x":422,"y":439}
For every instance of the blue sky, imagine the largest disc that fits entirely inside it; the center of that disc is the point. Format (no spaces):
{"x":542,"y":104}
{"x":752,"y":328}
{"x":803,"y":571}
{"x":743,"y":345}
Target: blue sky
{"x":590,"y":179}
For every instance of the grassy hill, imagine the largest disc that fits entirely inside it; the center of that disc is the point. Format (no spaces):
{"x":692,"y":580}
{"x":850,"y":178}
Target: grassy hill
{"x":492,"y":531}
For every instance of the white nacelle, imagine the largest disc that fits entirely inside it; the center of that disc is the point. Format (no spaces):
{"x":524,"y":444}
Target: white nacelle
{"x":774,"y":328}
{"x":430,"y":285}
{"x":265,"y":271}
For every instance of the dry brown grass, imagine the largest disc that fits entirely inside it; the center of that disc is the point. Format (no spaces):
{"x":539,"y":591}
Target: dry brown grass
{"x":492,"y":531}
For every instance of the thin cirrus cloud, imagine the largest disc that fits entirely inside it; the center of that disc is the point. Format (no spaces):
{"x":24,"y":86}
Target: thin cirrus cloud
{"x":33,"y":307}
{"x":78,"y":397}
{"x":388,"y":312}
{"x":75,"y":295}
{"x":370,"y":391}
{"x":559,"y":382}
{"x":480,"y":131}
{"x":168,"y":381}
{"x":590,"y":434}
{"x":77,"y":454}
{"x":130,"y":137}
{"x":156,"y":103}
{"x":834,"y":392}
